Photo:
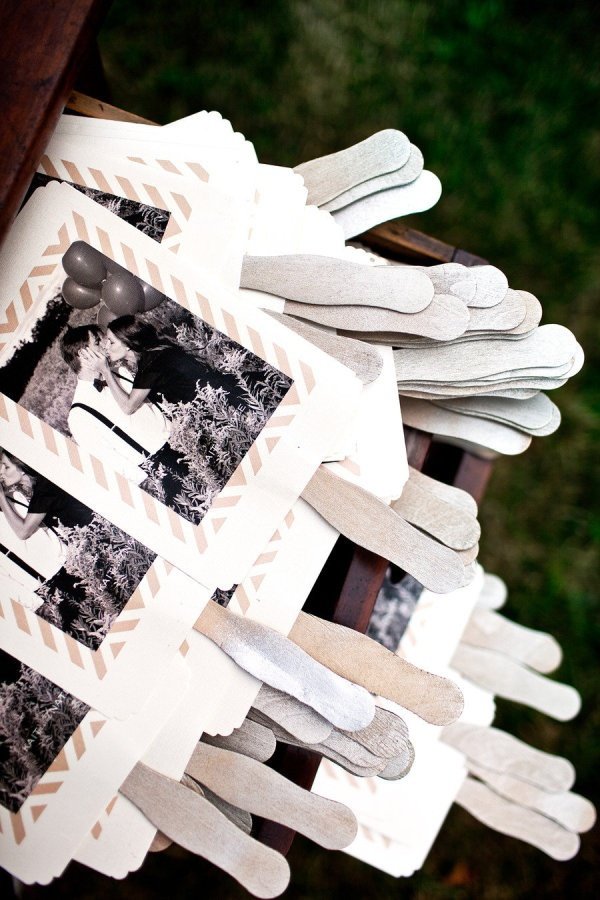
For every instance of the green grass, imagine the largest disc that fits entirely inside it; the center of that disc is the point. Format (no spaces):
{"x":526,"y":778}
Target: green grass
{"x":502,"y":97}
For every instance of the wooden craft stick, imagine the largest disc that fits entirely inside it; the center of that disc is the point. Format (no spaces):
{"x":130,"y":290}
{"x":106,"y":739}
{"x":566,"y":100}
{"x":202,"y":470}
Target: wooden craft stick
{"x":533,"y":314}
{"x":527,"y":415}
{"x":446,"y":423}
{"x":411,"y":169}
{"x":444,"y":319}
{"x":295,"y":717}
{"x":328,"y":281}
{"x":365,"y":361}
{"x":367,"y":521}
{"x":446,"y":492}
{"x":250,"y":739}
{"x":509,"y":313}
{"x":264,"y":792}
{"x":275,"y":660}
{"x":386,"y":736}
{"x":356,"y":753}
{"x":418,"y":196}
{"x":501,"y":752}
{"x":570,"y":810}
{"x":449,"y":524}
{"x":493,"y":592}
{"x":452,"y":278}
{"x":193,"y":823}
{"x":470,"y":555}
{"x":338,"y":758}
{"x":548,"y":346}
{"x":418,"y":393}
{"x":240,"y":818}
{"x":347,"y":764}
{"x":506,"y":678}
{"x":399,"y":766}
{"x":327,"y":176}
{"x":491,"y":631}
{"x":516,"y":821}
{"x":492,"y":285}
{"x":355,"y":656}
{"x":159,"y":843}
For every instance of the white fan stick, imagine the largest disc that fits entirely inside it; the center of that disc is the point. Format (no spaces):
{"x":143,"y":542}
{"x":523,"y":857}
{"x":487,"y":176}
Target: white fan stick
{"x":491,"y":285}
{"x":516,"y":821}
{"x":367,"y":521}
{"x":418,"y":196}
{"x":344,"y":745}
{"x":501,"y":752}
{"x":264,"y":792}
{"x":365,"y":361}
{"x":493,"y":592}
{"x":399,"y":766}
{"x":295,"y":717}
{"x":411,"y":170}
{"x":509,"y":313}
{"x":446,"y":317}
{"x":239,"y":817}
{"x":507,"y":678}
{"x":250,"y":738}
{"x":491,"y":631}
{"x":533,"y":314}
{"x":386,"y":736}
{"x":445,"y":423}
{"x":547,"y":347}
{"x":470,"y":555}
{"x":330,"y":753}
{"x":449,"y":524}
{"x":528,"y":415}
{"x":452,"y":278}
{"x":328,"y":176}
{"x":570,"y":810}
{"x":357,"y":657}
{"x":446,"y":492}
{"x":195,"y":824}
{"x":274,"y":659}
{"x":328,"y":281}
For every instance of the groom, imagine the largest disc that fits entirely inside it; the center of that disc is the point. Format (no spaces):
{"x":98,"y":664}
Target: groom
{"x":95,"y":420}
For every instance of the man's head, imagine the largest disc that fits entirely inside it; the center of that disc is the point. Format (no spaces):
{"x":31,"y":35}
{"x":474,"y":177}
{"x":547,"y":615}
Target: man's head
{"x":79,"y":338}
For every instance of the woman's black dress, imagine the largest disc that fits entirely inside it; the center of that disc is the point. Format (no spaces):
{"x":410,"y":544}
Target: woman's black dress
{"x":59,"y":508}
{"x":173,"y":375}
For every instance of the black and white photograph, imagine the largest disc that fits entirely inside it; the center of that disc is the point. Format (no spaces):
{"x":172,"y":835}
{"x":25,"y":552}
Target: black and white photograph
{"x":153,"y":391}
{"x":62,"y":560}
{"x":36,"y":720}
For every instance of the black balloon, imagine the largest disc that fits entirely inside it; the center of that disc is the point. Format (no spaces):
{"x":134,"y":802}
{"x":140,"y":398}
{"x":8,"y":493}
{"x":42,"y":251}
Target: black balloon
{"x":84,"y":264}
{"x":152,"y":297}
{"x":123,"y":294}
{"x":114,"y":268}
{"x":80,"y":296}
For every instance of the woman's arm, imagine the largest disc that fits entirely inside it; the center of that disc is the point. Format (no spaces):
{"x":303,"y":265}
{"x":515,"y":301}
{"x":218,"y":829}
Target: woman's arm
{"x":23,"y":528}
{"x":127,"y":403}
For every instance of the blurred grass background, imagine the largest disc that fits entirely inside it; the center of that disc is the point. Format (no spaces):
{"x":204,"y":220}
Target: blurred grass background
{"x":502,"y":97}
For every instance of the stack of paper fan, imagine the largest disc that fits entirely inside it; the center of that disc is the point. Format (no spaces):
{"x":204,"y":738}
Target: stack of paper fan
{"x":198,"y":397}
{"x":506,"y":784}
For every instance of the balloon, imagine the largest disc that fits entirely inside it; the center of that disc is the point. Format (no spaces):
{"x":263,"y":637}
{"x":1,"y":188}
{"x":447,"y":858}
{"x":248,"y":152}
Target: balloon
{"x":123,"y":294}
{"x":104,"y":316}
{"x":84,"y":264}
{"x":114,"y":268}
{"x":79,"y":296}
{"x":152,"y":297}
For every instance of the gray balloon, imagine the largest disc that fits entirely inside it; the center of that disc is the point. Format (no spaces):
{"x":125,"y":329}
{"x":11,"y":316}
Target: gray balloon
{"x":84,"y":264}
